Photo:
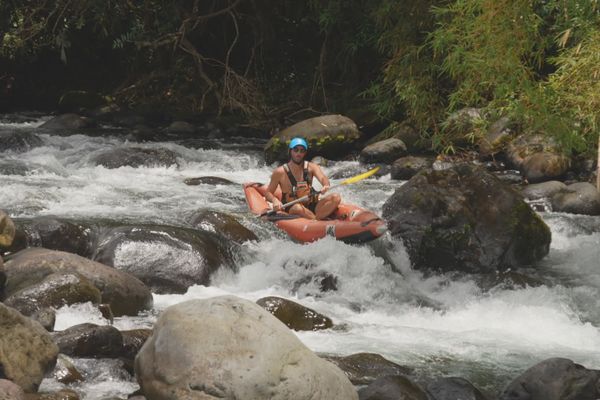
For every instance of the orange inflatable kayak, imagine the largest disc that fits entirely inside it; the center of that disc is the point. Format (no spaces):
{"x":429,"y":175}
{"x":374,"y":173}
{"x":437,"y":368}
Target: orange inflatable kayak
{"x":349,"y":223}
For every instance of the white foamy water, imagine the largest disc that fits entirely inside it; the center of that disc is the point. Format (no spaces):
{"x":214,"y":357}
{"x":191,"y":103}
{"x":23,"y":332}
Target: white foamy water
{"x":439,"y":325}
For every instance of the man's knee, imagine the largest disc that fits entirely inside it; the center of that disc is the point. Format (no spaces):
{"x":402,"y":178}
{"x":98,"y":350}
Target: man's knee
{"x":335,"y":198}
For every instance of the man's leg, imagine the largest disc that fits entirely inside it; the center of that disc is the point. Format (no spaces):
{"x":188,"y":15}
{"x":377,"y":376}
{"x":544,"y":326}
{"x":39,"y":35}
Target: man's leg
{"x":327,"y":205}
{"x":299,"y":209}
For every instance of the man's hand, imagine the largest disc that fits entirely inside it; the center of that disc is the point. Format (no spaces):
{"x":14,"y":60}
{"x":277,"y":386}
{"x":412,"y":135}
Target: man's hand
{"x":324,"y":189}
{"x":277,"y":206}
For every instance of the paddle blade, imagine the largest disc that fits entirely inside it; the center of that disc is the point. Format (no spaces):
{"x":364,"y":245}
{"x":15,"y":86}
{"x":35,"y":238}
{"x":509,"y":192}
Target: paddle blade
{"x":360,"y":177}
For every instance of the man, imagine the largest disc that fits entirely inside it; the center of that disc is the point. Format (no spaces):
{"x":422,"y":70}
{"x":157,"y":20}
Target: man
{"x":295,"y":179}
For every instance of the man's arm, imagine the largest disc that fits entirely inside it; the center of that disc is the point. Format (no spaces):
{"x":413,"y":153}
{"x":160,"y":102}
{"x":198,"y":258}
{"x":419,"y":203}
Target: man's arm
{"x":321,"y":177}
{"x":270,"y":196}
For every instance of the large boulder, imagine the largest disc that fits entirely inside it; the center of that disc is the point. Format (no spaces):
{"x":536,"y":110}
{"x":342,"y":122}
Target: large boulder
{"x":10,"y":391}
{"x":229,"y":348}
{"x":405,"y":168}
{"x":392,"y":387}
{"x":385,"y":151}
{"x":54,"y":234}
{"x":538,"y":158}
{"x":365,"y":368}
{"x":453,"y":388}
{"x":27,"y":351}
{"x":136,"y":157}
{"x":330,"y":136}
{"x":67,"y":121}
{"x":7,"y":231}
{"x":90,"y":340}
{"x":577,"y":198}
{"x":168,"y":259}
{"x":125,"y":293}
{"x":294,"y":315}
{"x":554,"y":379}
{"x":223,"y":224}
{"x":466,"y":219}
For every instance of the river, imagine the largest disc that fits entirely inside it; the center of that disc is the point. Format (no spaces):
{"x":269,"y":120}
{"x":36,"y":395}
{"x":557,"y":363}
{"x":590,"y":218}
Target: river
{"x":436,"y":324}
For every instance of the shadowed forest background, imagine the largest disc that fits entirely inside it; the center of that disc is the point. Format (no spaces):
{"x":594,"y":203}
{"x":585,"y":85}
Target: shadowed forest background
{"x":268,"y":63}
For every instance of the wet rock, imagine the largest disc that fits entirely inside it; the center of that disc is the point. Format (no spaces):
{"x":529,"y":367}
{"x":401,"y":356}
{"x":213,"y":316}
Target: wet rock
{"x":53,"y":234}
{"x":329,"y":136}
{"x":14,"y":167}
{"x":67,"y":121}
{"x":90,"y":340}
{"x":385,"y":151}
{"x":27,"y":351}
{"x":10,"y":391}
{"x":18,"y":141}
{"x":465,"y":219}
{"x":405,"y":168}
{"x":64,"y":394}
{"x":136,"y":157}
{"x":497,"y":137}
{"x":577,"y":198}
{"x":80,"y":101}
{"x":452,"y":389}
{"x":46,"y":317}
{"x":510,"y":176}
{"x":320,"y":161}
{"x":167,"y":259}
{"x":392,"y":387}
{"x":65,"y":372}
{"x":207,"y":180}
{"x":537,"y":158}
{"x":365,"y":368}
{"x":554,"y":379}
{"x":133,"y":340}
{"x":126,"y":294}
{"x":462,"y":126}
{"x":233,"y":349}
{"x":54,"y":290}
{"x":542,"y":190}
{"x":222,"y":224}
{"x":294,"y":315}
{"x":2,"y":278}
{"x":405,"y":132}
{"x":181,"y":127}
{"x":7,"y":231}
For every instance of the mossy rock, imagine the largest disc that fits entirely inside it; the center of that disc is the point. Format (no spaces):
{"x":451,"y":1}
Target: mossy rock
{"x":329,"y":136}
{"x":294,"y":315}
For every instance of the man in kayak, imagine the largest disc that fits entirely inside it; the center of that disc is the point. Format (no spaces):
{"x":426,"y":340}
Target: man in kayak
{"x":295,"y":179}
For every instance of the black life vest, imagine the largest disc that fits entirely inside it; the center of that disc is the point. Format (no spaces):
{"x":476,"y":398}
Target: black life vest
{"x":299,"y":189}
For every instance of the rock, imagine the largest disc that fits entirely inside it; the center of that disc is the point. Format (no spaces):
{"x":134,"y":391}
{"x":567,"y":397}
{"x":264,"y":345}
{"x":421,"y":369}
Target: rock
{"x":294,"y":315}
{"x":222,"y":224}
{"x":542,"y":190}
{"x":392,"y":387}
{"x":67,"y":121}
{"x":63,"y":394}
{"x":554,"y":379}
{"x":65,"y":372}
{"x":538,"y":158}
{"x":133,"y":341}
{"x":403,"y":131}
{"x":90,"y":340}
{"x":385,"y":151}
{"x":465,"y":219}
{"x":365,"y":368}
{"x":27,"y":352}
{"x":126,"y":294}
{"x":46,"y":317}
{"x":497,"y":137}
{"x":53,"y":234}
{"x":329,"y":136}
{"x":405,"y":168}
{"x":136,"y":157}
{"x":181,"y":127}
{"x":14,"y":167}
{"x":453,"y":389}
{"x":208,"y":180}
{"x":80,"y":101}
{"x":54,"y":290}
{"x":226,"y":347}
{"x":462,"y":126}
{"x":10,"y":391}
{"x":320,"y":161}
{"x":18,"y":142}
{"x":7,"y":231}
{"x":168,"y":259}
{"x":578,"y":198}
{"x":2,"y":279}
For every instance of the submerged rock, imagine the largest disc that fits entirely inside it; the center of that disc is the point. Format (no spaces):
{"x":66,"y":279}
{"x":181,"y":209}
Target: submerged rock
{"x":226,"y":347}
{"x":67,"y":121}
{"x":465,"y":219}
{"x":365,"y":368}
{"x":19,"y":141}
{"x":90,"y":340}
{"x":207,"y":180}
{"x":452,"y":389}
{"x":392,"y":387}
{"x":294,"y":315}
{"x":136,"y":157}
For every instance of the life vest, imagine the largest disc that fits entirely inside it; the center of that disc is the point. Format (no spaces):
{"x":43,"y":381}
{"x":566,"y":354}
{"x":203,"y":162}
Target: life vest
{"x":299,"y":189}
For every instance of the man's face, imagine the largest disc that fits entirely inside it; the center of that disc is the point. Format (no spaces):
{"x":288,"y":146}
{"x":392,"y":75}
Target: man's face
{"x":298,"y":154}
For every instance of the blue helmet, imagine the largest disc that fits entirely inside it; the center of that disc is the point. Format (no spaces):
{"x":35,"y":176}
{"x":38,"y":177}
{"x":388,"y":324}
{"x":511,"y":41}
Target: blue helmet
{"x":298,"y":141}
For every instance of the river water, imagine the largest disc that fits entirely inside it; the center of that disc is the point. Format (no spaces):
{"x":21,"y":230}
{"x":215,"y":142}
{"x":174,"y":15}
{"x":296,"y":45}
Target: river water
{"x":440,"y":325}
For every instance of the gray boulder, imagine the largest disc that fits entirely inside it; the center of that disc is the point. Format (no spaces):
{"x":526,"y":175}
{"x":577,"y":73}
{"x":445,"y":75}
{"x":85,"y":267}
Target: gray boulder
{"x":392,"y":387}
{"x":54,"y":234}
{"x":554,"y":379}
{"x":295,"y":316}
{"x":90,"y":340}
{"x":27,"y":351}
{"x":385,"y":151}
{"x":223,"y":224}
{"x":452,"y":389}
{"x":229,"y":348}
{"x":542,"y":190}
{"x":465,"y":219}
{"x":577,"y":198}
{"x":365,"y":368}
{"x":125,"y":293}
{"x":329,"y":136}
{"x":538,"y":158}
{"x":67,"y":121}
{"x":136,"y":157}
{"x":10,"y":391}
{"x":405,"y":168}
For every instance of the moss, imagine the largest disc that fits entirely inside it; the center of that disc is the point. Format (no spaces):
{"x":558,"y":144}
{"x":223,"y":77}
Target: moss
{"x":531,"y":235}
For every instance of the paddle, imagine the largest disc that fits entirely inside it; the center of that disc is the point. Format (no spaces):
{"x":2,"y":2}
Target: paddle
{"x":348,"y":181}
